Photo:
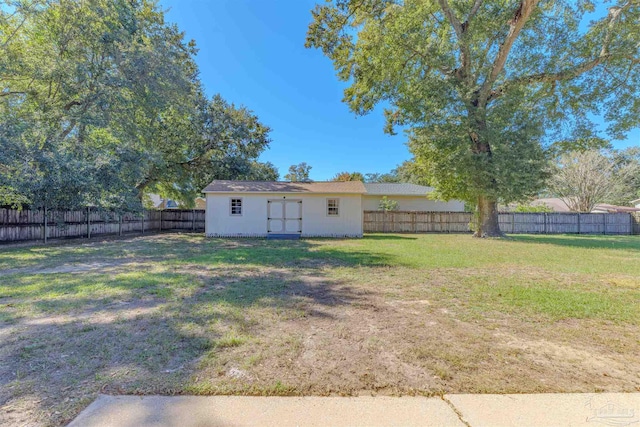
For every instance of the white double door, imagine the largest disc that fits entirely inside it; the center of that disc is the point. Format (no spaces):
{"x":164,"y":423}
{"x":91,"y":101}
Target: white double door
{"x":284,"y":216}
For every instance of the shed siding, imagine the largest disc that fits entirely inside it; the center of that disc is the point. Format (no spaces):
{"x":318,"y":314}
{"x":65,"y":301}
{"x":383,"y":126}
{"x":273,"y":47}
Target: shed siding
{"x":253,"y":221}
{"x":414,"y":203}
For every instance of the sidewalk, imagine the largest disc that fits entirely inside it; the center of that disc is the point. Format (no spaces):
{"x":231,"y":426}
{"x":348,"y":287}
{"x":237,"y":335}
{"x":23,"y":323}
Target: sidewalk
{"x":539,"y":410}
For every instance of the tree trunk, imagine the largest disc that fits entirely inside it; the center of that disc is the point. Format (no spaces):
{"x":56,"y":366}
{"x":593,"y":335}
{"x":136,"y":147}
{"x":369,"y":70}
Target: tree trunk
{"x":487,"y":218}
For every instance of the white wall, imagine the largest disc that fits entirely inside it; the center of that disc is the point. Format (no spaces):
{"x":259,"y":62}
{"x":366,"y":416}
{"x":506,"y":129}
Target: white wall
{"x":253,"y":222}
{"x":414,"y":203}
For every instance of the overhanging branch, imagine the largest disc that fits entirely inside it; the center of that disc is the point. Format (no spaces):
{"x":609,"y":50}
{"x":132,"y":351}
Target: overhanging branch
{"x":519,"y":19}
{"x":465,"y":55}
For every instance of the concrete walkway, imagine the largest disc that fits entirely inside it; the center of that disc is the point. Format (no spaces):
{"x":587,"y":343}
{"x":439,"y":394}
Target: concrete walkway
{"x":539,"y":410}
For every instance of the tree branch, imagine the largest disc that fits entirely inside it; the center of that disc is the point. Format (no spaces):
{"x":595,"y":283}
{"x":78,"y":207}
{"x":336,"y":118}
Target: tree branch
{"x":474,"y":11}
{"x":520,"y":18}
{"x":570,"y":73}
{"x":12,"y":93}
{"x":465,"y":55}
{"x":567,"y":74}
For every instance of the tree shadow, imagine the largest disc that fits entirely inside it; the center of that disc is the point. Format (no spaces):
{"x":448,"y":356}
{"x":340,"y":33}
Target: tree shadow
{"x":142,"y":339}
{"x":182,"y":249}
{"x":388,"y":237}
{"x":582,"y":241}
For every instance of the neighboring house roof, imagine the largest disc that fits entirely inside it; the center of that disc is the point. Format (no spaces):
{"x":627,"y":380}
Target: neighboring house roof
{"x":554,"y":203}
{"x":636,"y":201}
{"x":348,"y":187}
{"x":392,"y":189}
{"x":156,"y":200}
{"x":603,"y":207}
{"x":558,"y":205}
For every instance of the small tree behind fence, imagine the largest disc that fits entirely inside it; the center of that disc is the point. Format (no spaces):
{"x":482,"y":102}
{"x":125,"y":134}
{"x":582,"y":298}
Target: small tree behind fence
{"x":24,"y":225}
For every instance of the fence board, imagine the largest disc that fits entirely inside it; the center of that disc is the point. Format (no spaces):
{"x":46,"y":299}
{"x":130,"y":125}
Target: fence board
{"x":25,"y":225}
{"x":510,"y":222}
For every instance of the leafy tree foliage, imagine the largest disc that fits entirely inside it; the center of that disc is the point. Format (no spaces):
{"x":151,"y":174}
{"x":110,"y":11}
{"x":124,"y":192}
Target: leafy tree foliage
{"x":522,"y":207}
{"x":221,"y":142}
{"x":411,"y":171}
{"x":408,"y":171}
{"x":100,"y":101}
{"x":629,"y":183}
{"x":387,"y":204}
{"x":298,"y":173}
{"x":348,"y":176}
{"x":581,"y":144}
{"x":482,"y":85}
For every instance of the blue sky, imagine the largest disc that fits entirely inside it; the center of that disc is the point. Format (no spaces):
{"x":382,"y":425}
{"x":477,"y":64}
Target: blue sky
{"x":252,"y":53}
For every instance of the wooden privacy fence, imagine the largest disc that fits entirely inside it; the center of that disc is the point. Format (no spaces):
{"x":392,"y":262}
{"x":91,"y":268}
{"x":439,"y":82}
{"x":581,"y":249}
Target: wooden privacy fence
{"x":42,"y":225}
{"x":539,"y":222}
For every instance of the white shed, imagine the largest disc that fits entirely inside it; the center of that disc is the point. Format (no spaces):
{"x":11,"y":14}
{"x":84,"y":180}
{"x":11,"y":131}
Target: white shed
{"x":410,"y":197}
{"x":262,"y":209}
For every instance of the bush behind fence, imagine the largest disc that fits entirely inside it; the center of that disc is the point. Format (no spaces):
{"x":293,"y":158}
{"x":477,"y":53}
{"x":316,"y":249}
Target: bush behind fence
{"x":25,"y":225}
{"x":536,"y":223}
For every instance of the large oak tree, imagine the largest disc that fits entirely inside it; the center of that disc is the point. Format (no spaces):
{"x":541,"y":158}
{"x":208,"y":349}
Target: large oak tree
{"x":482,"y":85}
{"x":100,"y":102}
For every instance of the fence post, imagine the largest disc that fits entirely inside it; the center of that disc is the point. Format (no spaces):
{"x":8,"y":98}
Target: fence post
{"x":45,"y":223}
{"x":578,"y":222}
{"x":142,"y":220}
{"x":119,"y":224}
{"x":545,"y":223}
{"x":604,"y":223}
{"x":413,"y":222}
{"x":160,"y":220}
{"x":88,"y":222}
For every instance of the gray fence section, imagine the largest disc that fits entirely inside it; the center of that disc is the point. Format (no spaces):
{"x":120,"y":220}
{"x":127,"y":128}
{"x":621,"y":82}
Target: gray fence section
{"x":514,"y":223}
{"x":25,"y":225}
{"x":636,"y":222}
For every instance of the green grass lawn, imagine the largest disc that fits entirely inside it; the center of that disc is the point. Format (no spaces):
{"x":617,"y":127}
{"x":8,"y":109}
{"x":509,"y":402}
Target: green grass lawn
{"x":386,"y":314}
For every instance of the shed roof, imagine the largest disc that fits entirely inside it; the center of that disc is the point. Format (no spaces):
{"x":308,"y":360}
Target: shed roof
{"x":331,"y":187}
{"x":392,"y":189}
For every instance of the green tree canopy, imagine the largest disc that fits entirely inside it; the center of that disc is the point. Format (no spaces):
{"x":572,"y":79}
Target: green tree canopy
{"x":100,"y":101}
{"x":348,"y":176}
{"x":482,"y":85}
{"x":298,"y":173}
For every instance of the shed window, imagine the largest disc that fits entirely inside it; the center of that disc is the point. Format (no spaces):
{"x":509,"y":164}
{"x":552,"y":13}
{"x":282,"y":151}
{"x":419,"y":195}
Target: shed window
{"x":333,"y":207}
{"x":236,"y":206}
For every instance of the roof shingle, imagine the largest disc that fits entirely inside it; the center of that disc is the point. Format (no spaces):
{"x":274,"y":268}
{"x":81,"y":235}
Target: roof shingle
{"x":392,"y":189}
{"x":226,"y":186}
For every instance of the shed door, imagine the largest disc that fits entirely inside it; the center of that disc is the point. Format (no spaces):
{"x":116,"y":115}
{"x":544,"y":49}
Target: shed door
{"x":284,"y":216}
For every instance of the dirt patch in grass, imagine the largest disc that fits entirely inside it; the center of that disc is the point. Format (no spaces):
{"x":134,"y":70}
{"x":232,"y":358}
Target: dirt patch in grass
{"x":188,"y":315}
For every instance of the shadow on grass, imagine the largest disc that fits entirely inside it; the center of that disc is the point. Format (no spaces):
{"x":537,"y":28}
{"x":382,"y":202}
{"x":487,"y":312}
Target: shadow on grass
{"x":582,"y":241}
{"x":181,"y":249}
{"x":286,"y":253}
{"x":145,"y":333}
{"x":388,"y":237}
